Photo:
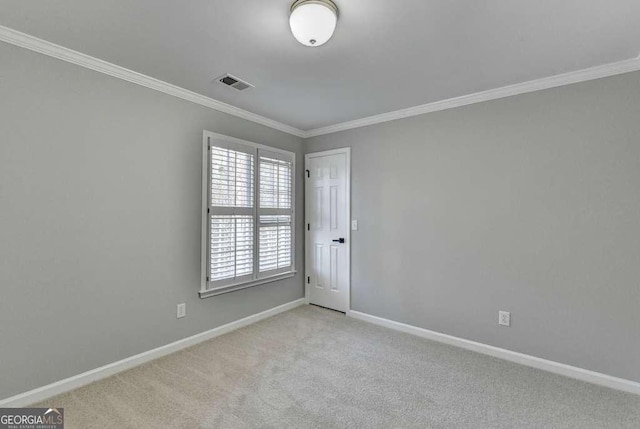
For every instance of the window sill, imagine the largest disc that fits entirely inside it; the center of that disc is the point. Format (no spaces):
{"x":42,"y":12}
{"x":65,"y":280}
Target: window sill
{"x":230,"y":288}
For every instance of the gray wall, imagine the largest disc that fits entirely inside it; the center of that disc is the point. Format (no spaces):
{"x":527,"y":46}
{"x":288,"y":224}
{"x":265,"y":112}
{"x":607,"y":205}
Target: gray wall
{"x":100,"y":220}
{"x":529,"y":204}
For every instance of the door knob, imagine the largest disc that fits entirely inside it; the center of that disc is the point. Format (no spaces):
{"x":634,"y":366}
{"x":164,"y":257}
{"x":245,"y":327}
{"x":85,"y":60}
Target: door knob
{"x":339,"y":240}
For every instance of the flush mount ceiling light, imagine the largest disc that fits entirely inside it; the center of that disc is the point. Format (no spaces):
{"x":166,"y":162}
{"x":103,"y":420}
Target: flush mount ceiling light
{"x":313,"y":21}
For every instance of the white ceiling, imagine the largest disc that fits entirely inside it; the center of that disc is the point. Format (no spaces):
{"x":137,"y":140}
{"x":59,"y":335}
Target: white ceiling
{"x":385,"y":55}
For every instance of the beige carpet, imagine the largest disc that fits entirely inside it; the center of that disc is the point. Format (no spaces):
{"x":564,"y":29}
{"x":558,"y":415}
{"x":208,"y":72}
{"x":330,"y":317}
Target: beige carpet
{"x":316,"y":368}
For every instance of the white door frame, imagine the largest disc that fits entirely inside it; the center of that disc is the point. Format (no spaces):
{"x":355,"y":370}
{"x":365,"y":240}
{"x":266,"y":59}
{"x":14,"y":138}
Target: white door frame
{"x":307,"y":262}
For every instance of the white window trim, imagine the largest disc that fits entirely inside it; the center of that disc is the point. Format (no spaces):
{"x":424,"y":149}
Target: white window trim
{"x":206,"y":292}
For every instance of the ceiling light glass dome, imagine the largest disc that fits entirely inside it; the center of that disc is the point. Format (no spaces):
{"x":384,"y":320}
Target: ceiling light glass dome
{"x":313,"y":21}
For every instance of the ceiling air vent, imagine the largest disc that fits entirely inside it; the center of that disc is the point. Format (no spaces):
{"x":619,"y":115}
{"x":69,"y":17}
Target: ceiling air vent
{"x":233,"y":82}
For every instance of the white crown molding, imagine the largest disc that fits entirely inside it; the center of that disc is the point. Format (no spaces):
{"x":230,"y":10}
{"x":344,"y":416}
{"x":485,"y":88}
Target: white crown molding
{"x":584,"y":75}
{"x":62,"y":386}
{"x":511,"y":356}
{"x":32,"y":43}
{"x":35,"y":44}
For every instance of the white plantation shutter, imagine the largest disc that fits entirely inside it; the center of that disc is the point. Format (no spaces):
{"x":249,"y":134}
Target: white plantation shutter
{"x":249,"y":212}
{"x":231,"y":246}
{"x":275,"y":183}
{"x":275,"y":212}
{"x":231,"y":178}
{"x":275,"y":243}
{"x":231,"y":214}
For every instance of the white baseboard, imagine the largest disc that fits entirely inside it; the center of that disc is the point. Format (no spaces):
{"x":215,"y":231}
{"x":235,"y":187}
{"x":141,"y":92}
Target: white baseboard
{"x":520,"y":358}
{"x":62,"y":386}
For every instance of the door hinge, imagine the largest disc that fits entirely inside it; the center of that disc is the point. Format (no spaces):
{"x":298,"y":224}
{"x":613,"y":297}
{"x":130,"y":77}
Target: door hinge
{"x":308,"y":173}
{"x":308,"y":279}
{"x":207,"y":278}
{"x":308,"y":227}
{"x":208,"y":211}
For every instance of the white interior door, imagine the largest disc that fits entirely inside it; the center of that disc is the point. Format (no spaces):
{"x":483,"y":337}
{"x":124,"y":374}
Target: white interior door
{"x":328,"y":215}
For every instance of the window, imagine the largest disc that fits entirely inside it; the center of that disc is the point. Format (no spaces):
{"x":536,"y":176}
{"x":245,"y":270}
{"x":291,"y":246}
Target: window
{"x":248,"y":199}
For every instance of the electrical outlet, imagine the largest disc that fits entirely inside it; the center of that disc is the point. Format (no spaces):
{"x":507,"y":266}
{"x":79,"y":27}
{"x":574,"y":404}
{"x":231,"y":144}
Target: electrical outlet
{"x":182,"y":310}
{"x":504,"y":318}
{"x":354,"y":225}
